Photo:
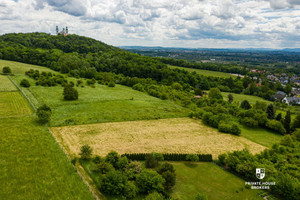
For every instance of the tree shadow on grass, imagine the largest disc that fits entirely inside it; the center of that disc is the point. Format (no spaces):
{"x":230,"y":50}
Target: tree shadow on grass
{"x":191,"y":164}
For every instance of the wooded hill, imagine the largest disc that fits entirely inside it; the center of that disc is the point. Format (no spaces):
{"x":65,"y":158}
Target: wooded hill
{"x":88,"y":58}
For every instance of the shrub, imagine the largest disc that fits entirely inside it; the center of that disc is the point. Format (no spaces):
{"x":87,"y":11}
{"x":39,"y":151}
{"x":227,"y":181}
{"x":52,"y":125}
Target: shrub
{"x":85,"y":152}
{"x":170,"y":180}
{"x":230,"y":98}
{"x":114,"y":183}
{"x":158,"y":156}
{"x":229,"y":128}
{"x":154,"y":196}
{"x":113,"y":158}
{"x":138,"y":87}
{"x":6,"y":70}
{"x":111,"y":84}
{"x":73,"y":161}
{"x":149,"y":181}
{"x":245,"y":105}
{"x":206,"y":117}
{"x":192,"y":157}
{"x":270,"y":111}
{"x":276,"y":126}
{"x":25,"y":83}
{"x":97,"y":160}
{"x":122,"y":163}
{"x":198,"y":91}
{"x":215,"y":93}
{"x":132,"y":169}
{"x":70,"y":93}
{"x":235,"y":129}
{"x":224,"y":127}
{"x":222,"y":158}
{"x":166,"y":167}
{"x":44,"y":113}
{"x":104,"y":167}
{"x":44,"y":116}
{"x":151,"y":161}
{"x":177,"y":86}
{"x":250,"y":122}
{"x":130,"y":190}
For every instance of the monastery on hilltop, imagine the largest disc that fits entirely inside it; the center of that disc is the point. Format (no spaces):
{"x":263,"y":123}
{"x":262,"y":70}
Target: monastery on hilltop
{"x":64,"y":32}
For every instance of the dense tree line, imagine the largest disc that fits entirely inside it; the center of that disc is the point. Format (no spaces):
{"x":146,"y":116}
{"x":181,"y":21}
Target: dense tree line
{"x":170,"y":156}
{"x":281,"y":163}
{"x":120,"y":176}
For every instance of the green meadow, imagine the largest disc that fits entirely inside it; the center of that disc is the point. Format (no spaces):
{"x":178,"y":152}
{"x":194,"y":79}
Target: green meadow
{"x":261,"y":136}
{"x":21,"y":68}
{"x":6,"y":85}
{"x":210,"y":180}
{"x":32,"y":165}
{"x":204,"y":72}
{"x":242,"y":97}
{"x":100,"y":104}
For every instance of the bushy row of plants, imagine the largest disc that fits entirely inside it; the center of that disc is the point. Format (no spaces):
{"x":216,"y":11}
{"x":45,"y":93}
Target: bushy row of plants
{"x":281,"y":164}
{"x":119,"y":176}
{"x":46,"y":79}
{"x":172,"y":156}
{"x":227,"y":115}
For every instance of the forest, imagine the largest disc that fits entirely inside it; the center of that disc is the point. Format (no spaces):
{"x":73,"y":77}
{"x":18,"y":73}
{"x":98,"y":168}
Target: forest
{"x":85,"y":57}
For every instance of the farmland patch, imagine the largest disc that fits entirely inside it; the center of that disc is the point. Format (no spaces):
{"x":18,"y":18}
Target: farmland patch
{"x":6,"y":85}
{"x":13,"y":104}
{"x":177,"y":135}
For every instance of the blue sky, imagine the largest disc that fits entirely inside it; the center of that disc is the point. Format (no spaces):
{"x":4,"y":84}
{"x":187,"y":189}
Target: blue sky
{"x":169,"y":23}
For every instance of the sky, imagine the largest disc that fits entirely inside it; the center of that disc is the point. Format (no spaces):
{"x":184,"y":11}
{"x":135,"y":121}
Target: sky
{"x":166,"y":23}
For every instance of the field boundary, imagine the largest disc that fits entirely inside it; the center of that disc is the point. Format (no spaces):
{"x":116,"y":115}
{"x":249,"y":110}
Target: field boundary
{"x":28,"y":100}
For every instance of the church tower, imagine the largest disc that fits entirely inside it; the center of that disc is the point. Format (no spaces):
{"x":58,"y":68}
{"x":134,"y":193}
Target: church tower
{"x":57,"y":30}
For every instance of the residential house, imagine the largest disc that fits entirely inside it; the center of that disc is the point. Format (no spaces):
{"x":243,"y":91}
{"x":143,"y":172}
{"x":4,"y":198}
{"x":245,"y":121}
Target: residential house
{"x":279,"y":95}
{"x":291,"y":100}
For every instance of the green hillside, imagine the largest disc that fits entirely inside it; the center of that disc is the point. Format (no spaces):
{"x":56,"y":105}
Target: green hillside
{"x":95,"y":104}
{"x":204,"y":72}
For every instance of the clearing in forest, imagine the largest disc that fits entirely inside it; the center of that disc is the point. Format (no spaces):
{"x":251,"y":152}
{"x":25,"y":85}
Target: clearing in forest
{"x":177,"y":135}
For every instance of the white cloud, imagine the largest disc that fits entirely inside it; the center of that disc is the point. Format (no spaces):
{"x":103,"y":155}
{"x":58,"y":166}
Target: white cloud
{"x":193,"y":23}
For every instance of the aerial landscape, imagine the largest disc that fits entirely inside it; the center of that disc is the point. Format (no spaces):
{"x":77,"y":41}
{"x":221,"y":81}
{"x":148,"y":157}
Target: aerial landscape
{"x":160,"y":100}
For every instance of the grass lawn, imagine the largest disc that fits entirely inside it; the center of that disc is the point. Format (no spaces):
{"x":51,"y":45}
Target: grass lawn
{"x":205,"y":72}
{"x":261,"y":136}
{"x":242,"y":97}
{"x":21,"y":68}
{"x":6,"y":84}
{"x":211,"y":180}
{"x":32,"y":165}
{"x":13,"y":104}
{"x":100,"y":104}
{"x":176,"y":135}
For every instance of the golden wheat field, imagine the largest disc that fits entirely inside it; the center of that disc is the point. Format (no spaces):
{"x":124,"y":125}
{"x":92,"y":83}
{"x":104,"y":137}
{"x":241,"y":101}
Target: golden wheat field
{"x":176,"y":135}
